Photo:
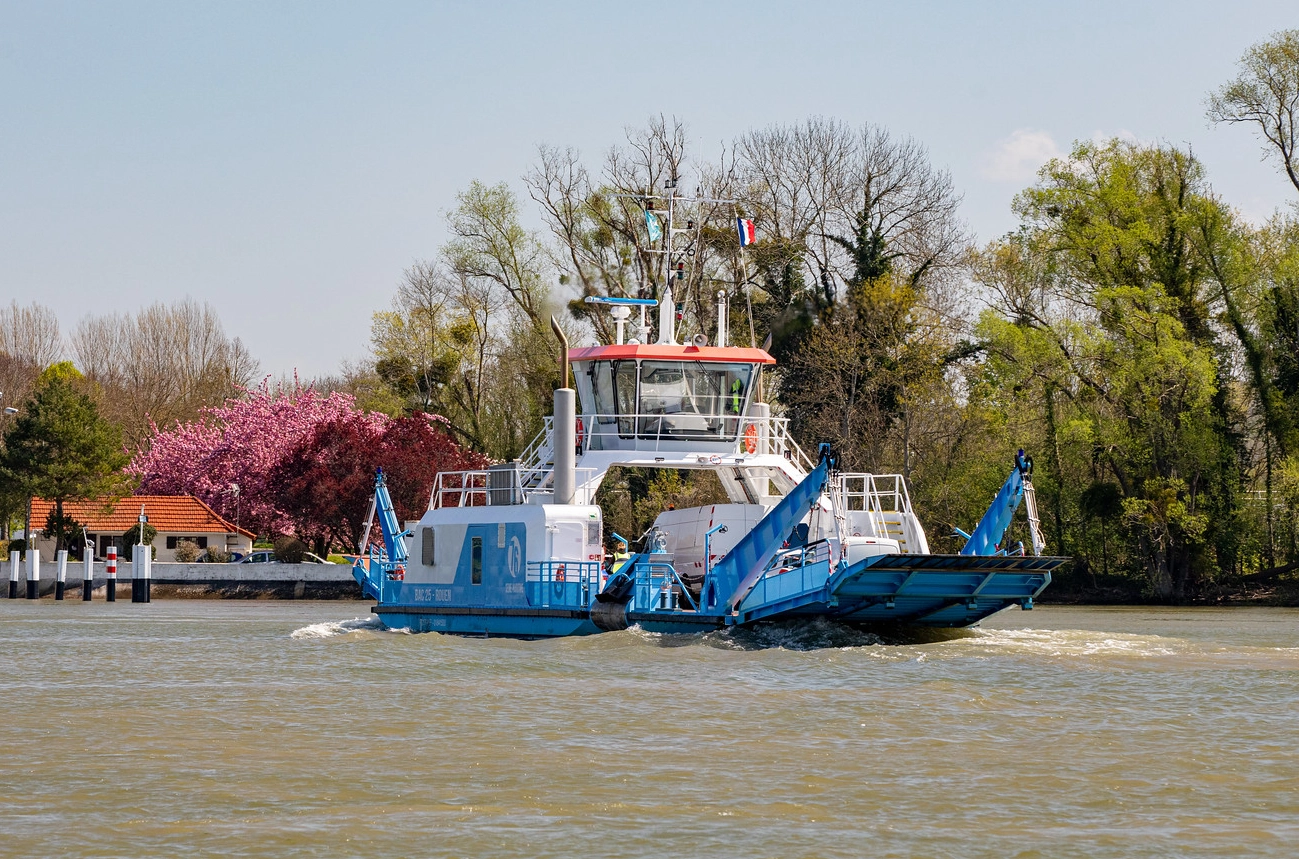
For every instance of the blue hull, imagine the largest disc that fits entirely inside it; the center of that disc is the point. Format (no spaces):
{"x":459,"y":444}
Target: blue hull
{"x":891,"y":590}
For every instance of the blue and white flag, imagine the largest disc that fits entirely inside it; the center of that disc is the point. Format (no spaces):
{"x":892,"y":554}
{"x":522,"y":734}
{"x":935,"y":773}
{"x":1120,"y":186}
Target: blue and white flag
{"x":652,"y":223}
{"x":748,"y":233}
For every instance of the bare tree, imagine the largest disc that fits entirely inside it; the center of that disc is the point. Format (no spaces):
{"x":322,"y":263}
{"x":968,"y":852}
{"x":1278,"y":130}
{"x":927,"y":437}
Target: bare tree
{"x":162,"y":364}
{"x":1266,"y":94}
{"x":29,"y":342}
{"x":858,"y":201}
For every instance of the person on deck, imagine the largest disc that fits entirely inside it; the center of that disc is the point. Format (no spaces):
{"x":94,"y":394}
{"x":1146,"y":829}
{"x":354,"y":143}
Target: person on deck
{"x":620,"y":556}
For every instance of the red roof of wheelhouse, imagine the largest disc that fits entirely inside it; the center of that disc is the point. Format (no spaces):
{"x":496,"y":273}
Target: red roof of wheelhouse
{"x":665,"y":352}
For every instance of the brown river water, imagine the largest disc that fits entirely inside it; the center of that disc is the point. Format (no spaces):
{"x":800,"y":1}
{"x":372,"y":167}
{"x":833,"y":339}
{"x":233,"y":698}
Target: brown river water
{"x":303,"y":729}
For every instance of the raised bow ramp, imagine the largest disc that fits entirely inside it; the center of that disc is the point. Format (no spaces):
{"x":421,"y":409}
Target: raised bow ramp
{"x":921,"y":590}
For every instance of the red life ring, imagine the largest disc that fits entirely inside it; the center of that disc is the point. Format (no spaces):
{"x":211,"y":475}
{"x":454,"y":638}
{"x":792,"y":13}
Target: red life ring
{"x":581,"y":433}
{"x":559,"y":573}
{"x":751,"y":438}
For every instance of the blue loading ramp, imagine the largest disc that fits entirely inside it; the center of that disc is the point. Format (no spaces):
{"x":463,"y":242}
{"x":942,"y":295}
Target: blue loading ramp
{"x":922,"y":590}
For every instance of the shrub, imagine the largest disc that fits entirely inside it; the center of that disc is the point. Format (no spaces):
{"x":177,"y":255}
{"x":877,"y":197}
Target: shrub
{"x":289,"y":550}
{"x":19,"y":546}
{"x":214,"y":555}
{"x":132,"y":536}
{"x":186,"y":551}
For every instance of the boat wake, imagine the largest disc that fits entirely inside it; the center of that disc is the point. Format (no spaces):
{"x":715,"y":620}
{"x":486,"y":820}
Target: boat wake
{"x":803,"y":634}
{"x":1068,"y":642}
{"x":331,"y":628}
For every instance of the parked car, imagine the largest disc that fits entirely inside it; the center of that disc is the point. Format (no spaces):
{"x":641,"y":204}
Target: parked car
{"x":266,"y":556}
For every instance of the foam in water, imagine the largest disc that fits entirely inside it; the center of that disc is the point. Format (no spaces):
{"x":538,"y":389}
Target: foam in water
{"x":331,"y":628}
{"x":1076,"y":642}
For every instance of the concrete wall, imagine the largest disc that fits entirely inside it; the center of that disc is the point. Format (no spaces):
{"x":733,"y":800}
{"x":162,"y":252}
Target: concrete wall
{"x":288,"y":581}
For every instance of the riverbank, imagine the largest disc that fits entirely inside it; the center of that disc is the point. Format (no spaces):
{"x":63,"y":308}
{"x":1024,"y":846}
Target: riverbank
{"x":1278,"y":592}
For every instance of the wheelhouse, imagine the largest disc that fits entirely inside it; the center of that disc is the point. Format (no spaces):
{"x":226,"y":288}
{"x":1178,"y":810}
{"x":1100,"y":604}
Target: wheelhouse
{"x":662,"y":393}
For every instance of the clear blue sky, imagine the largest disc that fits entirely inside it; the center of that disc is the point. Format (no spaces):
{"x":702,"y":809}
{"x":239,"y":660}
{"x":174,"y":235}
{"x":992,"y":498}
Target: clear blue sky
{"x":286,"y":161}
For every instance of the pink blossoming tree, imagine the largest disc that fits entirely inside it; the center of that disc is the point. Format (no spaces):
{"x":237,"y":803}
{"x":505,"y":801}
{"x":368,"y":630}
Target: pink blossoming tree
{"x":246,"y":443}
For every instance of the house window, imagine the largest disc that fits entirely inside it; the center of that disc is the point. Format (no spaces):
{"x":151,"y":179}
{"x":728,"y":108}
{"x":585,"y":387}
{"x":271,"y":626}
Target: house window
{"x":426,"y":547}
{"x":201,"y":542}
{"x":476,"y":561}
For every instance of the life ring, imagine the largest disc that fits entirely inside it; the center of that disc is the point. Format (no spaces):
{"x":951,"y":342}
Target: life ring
{"x":580,"y":433}
{"x":398,"y":574}
{"x":559,"y":573}
{"x":751,"y":438}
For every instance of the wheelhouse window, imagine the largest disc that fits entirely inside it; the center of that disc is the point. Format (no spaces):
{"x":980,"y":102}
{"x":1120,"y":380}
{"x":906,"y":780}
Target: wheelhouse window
{"x":698,"y":400}
{"x":692,"y":399}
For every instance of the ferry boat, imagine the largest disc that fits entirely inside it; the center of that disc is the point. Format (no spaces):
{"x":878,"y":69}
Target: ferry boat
{"x":519,"y":549}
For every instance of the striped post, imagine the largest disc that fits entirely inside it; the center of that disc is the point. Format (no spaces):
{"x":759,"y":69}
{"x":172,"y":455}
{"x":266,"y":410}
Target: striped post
{"x":61,"y":573}
{"x":146,"y":568}
{"x":33,"y":573}
{"x":13,"y":575}
{"x":110,"y":573}
{"x":88,"y":577}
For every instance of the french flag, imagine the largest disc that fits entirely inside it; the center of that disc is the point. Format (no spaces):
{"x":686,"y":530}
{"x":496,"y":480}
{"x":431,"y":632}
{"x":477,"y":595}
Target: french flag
{"x":748,"y":234}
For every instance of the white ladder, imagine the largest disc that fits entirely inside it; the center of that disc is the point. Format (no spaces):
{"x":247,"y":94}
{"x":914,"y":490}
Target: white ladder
{"x":1034,"y":523}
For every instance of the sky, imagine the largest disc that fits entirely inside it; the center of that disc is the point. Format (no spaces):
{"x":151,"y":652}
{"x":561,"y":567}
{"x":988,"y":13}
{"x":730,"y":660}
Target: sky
{"x":285,"y":162}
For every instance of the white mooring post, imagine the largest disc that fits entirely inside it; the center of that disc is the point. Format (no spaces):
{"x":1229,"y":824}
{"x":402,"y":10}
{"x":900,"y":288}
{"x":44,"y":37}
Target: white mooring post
{"x":110,"y":575}
{"x":13,"y":575}
{"x":88,"y":576}
{"x":33,"y":573}
{"x":147,"y":569}
{"x":61,"y":573}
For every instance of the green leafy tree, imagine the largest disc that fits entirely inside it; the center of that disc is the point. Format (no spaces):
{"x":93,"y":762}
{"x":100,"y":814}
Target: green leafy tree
{"x":1104,"y":321}
{"x":59,"y":447}
{"x":132,"y":538}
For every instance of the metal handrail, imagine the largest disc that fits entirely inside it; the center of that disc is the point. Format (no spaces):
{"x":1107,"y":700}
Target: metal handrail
{"x":549,"y":573}
{"x":473,"y":488}
{"x":648,"y":571}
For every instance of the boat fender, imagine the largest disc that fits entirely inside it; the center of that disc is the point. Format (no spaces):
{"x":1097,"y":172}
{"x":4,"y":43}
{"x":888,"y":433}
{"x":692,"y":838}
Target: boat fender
{"x":609,"y":616}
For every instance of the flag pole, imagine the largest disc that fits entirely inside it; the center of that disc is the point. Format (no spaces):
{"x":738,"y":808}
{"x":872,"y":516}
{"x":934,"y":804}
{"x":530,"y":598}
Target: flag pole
{"x":744,"y":272}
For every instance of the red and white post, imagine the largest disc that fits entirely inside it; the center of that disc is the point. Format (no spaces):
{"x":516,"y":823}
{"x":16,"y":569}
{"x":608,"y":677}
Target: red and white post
{"x":110,"y":573}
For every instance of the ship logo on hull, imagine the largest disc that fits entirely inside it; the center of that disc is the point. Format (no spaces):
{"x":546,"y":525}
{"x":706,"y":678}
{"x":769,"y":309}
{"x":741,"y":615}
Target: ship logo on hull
{"x":514,"y":557}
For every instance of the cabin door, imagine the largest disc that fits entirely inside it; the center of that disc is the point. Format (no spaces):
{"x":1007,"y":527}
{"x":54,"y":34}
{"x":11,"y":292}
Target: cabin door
{"x":568,"y":542}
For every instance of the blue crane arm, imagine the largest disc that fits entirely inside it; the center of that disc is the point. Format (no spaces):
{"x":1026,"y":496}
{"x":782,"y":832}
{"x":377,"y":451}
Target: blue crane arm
{"x":393,"y":542}
{"x":992,"y":527}
{"x":736,"y":573}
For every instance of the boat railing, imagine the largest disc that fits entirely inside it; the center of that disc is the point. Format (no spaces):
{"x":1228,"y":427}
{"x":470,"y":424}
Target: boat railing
{"x":745,"y":434}
{"x":791,"y":571}
{"x":563,"y":583}
{"x":482,"y":488}
{"x":658,"y":585}
{"x":876,"y":493}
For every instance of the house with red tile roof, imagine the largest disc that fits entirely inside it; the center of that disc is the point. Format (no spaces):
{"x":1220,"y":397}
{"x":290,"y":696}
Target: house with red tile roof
{"x":177,"y":518}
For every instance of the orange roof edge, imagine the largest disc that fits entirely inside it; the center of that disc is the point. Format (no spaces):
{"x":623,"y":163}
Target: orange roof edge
{"x":171,"y":513}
